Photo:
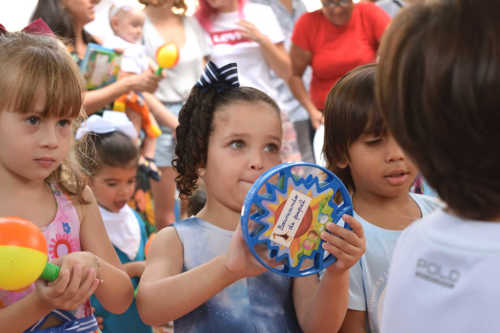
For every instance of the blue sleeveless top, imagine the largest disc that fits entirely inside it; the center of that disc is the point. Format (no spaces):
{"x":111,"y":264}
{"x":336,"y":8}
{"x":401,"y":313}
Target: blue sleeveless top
{"x":256,"y":304}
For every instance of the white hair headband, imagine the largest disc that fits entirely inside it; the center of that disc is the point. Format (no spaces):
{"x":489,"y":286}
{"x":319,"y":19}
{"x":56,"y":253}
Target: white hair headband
{"x":111,"y":121}
{"x":123,"y":5}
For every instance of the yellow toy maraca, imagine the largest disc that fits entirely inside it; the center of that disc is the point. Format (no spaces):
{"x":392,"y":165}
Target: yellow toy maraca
{"x":167,"y":56}
{"x":23,"y":254}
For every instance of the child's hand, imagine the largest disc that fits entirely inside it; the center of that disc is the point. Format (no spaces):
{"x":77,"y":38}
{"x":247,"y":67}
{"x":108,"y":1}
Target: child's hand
{"x":346,"y":245}
{"x":76,"y":282}
{"x":239,"y":260}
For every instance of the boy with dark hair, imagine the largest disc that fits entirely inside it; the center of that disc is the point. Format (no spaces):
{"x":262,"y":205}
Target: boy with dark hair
{"x":438,"y":83}
{"x":362,"y":152}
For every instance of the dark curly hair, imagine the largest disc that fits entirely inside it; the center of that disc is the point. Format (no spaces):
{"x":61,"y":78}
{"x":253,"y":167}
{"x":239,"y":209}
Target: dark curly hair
{"x":195,"y":127}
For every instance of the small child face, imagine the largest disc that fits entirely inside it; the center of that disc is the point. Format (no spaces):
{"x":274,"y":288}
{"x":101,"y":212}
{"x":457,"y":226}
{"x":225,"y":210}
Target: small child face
{"x":245,"y":142}
{"x":379,"y":166}
{"x":113,"y":187}
{"x":33,"y":145}
{"x":128,"y":25}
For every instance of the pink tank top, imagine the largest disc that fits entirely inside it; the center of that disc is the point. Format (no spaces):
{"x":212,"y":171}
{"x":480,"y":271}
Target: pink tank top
{"x":63,"y":237}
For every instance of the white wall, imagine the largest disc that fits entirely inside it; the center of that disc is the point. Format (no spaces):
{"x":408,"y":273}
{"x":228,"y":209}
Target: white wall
{"x":15,"y":14}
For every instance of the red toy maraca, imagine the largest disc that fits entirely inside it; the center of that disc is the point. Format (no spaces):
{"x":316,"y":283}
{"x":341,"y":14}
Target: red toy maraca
{"x":23,"y":254}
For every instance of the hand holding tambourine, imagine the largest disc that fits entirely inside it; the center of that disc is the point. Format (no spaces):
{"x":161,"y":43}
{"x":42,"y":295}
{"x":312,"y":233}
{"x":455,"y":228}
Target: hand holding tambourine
{"x":285,"y":212}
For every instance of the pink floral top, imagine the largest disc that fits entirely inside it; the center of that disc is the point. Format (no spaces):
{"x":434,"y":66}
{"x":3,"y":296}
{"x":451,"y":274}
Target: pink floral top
{"x":63,"y":237}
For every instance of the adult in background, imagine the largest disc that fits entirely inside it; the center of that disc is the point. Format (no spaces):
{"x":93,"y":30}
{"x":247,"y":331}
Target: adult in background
{"x":67,"y":19}
{"x":333,"y":40}
{"x":166,"y":22}
{"x":288,"y":12}
{"x":249,"y":34}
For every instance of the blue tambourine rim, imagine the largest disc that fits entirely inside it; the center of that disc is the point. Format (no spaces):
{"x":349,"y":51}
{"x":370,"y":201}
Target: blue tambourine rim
{"x":252,"y":197}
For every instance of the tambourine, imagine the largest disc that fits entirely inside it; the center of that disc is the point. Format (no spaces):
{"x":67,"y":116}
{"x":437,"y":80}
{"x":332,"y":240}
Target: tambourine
{"x":286,"y":210}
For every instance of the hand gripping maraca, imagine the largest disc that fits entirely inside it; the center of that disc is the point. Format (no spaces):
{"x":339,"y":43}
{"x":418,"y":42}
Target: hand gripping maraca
{"x":286,"y":210}
{"x":23,"y":254}
{"x":167,"y":56}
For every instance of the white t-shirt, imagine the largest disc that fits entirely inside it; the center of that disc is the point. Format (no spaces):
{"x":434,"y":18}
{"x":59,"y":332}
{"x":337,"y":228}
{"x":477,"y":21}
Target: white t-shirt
{"x":134,"y":58}
{"x":179,"y":80}
{"x":368,"y":277}
{"x":444,"y":277}
{"x":391,"y":7}
{"x":229,"y":46}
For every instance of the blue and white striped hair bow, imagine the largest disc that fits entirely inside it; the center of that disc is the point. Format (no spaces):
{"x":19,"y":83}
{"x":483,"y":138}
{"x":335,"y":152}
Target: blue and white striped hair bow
{"x":221,"y":79}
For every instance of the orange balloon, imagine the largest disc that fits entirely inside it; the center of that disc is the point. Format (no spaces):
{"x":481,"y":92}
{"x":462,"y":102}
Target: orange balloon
{"x":17,"y":231}
{"x":23,"y":253}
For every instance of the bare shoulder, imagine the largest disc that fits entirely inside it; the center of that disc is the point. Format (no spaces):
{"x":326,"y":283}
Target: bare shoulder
{"x":166,"y":239}
{"x":165,"y":255}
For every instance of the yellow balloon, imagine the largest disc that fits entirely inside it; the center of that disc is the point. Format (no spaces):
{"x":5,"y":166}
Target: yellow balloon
{"x":167,"y":55}
{"x":20,"y":266}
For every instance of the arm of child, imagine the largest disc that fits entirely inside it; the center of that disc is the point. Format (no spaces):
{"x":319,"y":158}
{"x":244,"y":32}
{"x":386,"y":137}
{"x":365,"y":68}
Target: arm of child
{"x":115,"y":291}
{"x":354,"y":322}
{"x":160,"y":111}
{"x":166,"y":293}
{"x":74,"y":285}
{"x":149,"y":147}
{"x":321,"y":305}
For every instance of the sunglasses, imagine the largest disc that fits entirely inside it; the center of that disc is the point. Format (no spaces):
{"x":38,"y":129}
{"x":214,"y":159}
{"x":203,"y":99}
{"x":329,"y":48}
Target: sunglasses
{"x":335,"y":4}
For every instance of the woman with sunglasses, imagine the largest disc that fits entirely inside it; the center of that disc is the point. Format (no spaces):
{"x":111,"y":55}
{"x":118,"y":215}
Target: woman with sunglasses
{"x":332,"y":40}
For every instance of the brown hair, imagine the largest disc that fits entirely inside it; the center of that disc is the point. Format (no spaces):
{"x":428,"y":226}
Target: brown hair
{"x":114,"y":149}
{"x":39,"y":63}
{"x":195,"y":127}
{"x":350,"y":111}
{"x":437,"y":84}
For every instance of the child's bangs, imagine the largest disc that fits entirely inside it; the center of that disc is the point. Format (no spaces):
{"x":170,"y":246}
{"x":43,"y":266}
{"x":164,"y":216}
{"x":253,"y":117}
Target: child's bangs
{"x":44,"y":75}
{"x":375,"y":124}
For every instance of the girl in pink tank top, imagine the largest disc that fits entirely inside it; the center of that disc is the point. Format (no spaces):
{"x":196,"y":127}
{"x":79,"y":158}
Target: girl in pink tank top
{"x":40,"y":98}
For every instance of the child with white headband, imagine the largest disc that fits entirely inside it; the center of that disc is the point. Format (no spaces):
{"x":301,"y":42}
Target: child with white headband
{"x":126,"y":19}
{"x":109,"y":156}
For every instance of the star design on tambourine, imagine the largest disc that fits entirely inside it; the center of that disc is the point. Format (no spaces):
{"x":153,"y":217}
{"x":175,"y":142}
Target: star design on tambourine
{"x":286,"y":211}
